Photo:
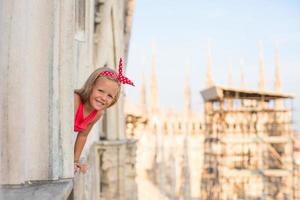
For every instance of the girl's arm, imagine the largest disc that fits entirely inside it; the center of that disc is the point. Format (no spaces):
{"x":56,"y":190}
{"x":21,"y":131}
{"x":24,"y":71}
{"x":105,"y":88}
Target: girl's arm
{"x":80,"y":142}
{"x":82,"y":136}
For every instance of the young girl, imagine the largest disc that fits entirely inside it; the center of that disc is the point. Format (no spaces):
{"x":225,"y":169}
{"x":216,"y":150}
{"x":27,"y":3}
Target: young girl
{"x":100,"y":91}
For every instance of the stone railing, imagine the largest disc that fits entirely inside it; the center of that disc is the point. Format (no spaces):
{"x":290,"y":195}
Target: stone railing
{"x":111,"y":173}
{"x":117,"y":169}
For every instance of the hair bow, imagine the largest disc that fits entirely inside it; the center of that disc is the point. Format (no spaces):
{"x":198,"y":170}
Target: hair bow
{"x":120,"y":77}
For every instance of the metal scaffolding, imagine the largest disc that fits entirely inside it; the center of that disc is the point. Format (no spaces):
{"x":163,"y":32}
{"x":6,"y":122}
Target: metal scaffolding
{"x":248,"y":148}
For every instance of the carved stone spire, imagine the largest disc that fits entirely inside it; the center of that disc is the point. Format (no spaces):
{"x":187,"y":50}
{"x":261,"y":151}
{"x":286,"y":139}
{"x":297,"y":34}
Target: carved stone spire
{"x":209,"y":79}
{"x":153,"y":86}
{"x":278,"y":82}
{"x":143,"y":102}
{"x":229,"y":75}
{"x":242,"y":76}
{"x":187,"y":93}
{"x":261,"y":81}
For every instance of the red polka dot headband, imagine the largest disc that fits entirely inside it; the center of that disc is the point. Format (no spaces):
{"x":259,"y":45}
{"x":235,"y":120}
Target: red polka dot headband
{"x":120,"y":77}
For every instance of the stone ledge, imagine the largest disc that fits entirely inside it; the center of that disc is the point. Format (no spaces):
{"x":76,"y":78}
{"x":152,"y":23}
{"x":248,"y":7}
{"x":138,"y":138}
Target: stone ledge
{"x":115,"y":142}
{"x":48,"y":190}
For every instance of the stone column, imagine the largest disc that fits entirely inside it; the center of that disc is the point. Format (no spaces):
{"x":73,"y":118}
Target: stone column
{"x":67,"y":80}
{"x":26,"y":59}
{"x":36,"y":60}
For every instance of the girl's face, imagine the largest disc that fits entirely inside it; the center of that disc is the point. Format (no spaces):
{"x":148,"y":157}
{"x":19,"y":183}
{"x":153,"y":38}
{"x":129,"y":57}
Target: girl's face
{"x":103,"y":93}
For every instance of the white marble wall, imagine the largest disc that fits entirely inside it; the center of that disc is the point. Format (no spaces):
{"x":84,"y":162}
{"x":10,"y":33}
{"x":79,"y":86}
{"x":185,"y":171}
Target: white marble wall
{"x":45,"y":56}
{"x":36,"y":61}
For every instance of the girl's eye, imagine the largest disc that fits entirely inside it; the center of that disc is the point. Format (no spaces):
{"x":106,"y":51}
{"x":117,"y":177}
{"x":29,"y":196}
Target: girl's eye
{"x":100,"y":90}
{"x":110,"y":96}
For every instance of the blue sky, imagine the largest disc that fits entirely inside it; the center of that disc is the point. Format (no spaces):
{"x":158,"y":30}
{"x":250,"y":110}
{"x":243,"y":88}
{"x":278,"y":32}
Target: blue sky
{"x":181,"y":31}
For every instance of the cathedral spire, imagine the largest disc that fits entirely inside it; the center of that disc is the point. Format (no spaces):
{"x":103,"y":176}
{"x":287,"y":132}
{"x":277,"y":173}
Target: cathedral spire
{"x":242,"y":76}
{"x":229,"y":74}
{"x":154,"y":88}
{"x":261,"y":81}
{"x":143,"y":103}
{"x":209,"y":79}
{"x":187,"y":92}
{"x":278,"y":82}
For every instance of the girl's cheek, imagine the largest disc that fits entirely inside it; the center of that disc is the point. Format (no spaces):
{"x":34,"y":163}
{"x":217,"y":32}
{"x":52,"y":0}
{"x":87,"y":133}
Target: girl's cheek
{"x":110,"y":101}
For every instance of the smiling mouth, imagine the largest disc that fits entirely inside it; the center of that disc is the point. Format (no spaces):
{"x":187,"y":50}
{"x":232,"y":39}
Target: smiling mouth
{"x":100,"y":102}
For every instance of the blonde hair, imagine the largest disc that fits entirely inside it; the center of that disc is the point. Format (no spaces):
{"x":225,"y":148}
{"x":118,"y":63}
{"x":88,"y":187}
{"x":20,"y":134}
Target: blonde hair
{"x":86,"y":90}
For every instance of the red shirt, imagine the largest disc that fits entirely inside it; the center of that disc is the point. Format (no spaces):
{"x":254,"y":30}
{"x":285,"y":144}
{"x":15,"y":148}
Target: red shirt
{"x":81,"y":123}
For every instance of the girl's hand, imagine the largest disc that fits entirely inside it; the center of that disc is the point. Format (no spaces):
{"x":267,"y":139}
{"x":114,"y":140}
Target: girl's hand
{"x":78,"y":167}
